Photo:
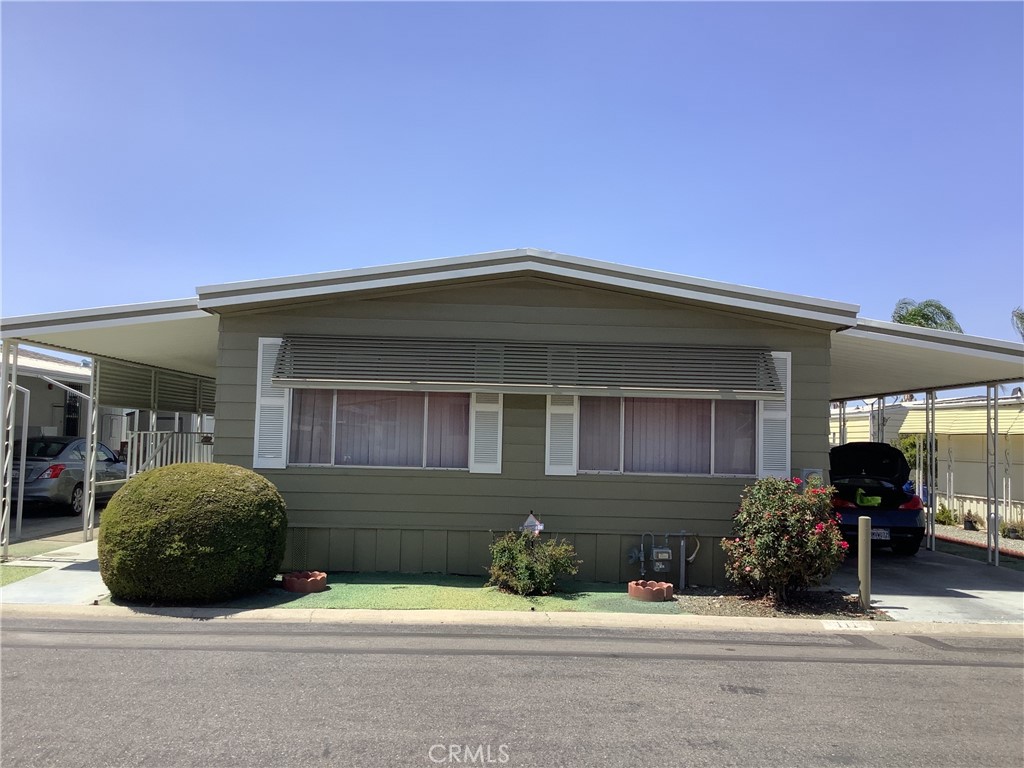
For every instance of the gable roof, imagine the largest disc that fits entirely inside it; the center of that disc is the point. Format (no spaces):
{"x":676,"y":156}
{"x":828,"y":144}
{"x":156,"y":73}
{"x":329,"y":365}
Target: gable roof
{"x":869,"y":357}
{"x":249,"y":294}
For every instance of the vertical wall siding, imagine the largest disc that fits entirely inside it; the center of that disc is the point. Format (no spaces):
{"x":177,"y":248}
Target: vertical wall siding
{"x":441,"y":521}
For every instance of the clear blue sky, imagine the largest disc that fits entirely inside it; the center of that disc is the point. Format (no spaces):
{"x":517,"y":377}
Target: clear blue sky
{"x":858,"y":151}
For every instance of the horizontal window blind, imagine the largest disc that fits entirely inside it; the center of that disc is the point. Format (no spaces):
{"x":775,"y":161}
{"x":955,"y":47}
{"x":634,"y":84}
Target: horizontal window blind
{"x":346,"y":361}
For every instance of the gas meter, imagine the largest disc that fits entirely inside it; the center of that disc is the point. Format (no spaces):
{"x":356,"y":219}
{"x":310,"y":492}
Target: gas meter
{"x":661,"y":557}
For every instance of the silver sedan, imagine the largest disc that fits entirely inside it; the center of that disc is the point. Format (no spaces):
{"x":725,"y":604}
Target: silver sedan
{"x":55,"y":471}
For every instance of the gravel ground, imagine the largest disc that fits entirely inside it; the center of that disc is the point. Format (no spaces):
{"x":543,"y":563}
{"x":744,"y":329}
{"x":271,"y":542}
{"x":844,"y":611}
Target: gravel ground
{"x":813,"y":604}
{"x":956,"y":533}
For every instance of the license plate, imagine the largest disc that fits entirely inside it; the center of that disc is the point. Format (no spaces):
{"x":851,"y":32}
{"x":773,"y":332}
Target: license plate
{"x":880,"y":533}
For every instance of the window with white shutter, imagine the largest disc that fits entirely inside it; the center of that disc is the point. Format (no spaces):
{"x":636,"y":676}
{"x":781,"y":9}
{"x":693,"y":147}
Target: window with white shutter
{"x":485,"y":433}
{"x":561,"y":436}
{"x":773,"y":458}
{"x":270,"y":443}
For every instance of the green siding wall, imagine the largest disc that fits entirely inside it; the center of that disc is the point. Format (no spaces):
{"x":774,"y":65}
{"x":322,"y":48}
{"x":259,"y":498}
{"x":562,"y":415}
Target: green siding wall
{"x":440,"y":521}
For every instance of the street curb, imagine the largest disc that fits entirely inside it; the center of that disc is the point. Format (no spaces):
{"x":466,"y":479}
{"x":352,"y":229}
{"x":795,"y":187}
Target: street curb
{"x":1003,"y":551}
{"x":518,"y":619}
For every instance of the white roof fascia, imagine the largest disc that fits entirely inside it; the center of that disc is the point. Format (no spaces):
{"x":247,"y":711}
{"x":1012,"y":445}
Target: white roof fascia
{"x":463,"y":267}
{"x":699,"y":282}
{"x":342,"y":274}
{"x":100,"y":317}
{"x":842,"y":320}
{"x":940,"y":341}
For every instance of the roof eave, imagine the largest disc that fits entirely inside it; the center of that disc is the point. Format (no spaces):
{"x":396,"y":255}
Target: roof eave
{"x":100,"y":317}
{"x":235,"y":297}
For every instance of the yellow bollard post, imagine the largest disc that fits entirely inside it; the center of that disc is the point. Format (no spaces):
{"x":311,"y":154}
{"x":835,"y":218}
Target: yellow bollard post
{"x":864,"y":560}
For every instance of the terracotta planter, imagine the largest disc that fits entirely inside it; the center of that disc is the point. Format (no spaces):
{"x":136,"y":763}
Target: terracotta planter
{"x":304,"y":582}
{"x":650,"y":591}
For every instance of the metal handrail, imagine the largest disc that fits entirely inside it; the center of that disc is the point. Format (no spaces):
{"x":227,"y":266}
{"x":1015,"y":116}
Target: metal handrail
{"x":150,"y":450}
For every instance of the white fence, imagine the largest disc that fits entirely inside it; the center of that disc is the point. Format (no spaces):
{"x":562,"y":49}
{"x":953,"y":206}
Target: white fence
{"x":1011,"y":512}
{"x":149,"y":450}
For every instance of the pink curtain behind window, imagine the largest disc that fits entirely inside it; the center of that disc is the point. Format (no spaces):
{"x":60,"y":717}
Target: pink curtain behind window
{"x":667,"y":436}
{"x":735,"y":432}
{"x":447,"y":430}
{"x":599,"y":433}
{"x":310,"y":440}
{"x":380,"y":429}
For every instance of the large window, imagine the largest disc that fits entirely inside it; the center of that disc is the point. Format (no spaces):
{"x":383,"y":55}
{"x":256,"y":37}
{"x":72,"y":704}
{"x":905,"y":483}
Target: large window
{"x":672,"y":436}
{"x":379,"y":428}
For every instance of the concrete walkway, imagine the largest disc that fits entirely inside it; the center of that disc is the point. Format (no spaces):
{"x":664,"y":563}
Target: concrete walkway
{"x":73,"y":578}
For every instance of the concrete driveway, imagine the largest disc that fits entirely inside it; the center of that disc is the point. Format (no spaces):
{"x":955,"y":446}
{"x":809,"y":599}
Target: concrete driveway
{"x":933,"y":586}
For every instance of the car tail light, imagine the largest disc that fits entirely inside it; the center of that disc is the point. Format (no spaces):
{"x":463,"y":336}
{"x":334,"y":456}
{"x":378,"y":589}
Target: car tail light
{"x":843,"y":503}
{"x":52,"y":472}
{"x":914,"y":503}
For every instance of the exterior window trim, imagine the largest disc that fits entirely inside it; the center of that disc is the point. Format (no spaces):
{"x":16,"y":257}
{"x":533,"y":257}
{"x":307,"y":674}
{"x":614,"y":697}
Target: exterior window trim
{"x":334,"y":441}
{"x":621,"y":471}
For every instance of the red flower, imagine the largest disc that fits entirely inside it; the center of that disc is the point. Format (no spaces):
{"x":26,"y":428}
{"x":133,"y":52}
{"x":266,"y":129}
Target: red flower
{"x":797,"y":480}
{"x":844,"y":545}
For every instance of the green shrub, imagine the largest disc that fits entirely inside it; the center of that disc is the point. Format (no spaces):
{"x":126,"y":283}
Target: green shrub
{"x":944,"y":515}
{"x":191,"y":533}
{"x":525,"y":564}
{"x":1011,"y":530}
{"x":783,"y":539}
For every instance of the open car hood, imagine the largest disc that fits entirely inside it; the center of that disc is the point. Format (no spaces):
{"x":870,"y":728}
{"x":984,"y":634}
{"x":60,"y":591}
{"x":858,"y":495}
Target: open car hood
{"x":877,"y":460}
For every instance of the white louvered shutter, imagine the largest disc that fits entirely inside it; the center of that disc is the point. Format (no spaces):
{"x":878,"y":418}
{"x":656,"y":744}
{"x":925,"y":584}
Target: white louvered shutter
{"x":561,"y":442}
{"x":773,"y":458}
{"x":270,"y":444}
{"x":485,"y":433}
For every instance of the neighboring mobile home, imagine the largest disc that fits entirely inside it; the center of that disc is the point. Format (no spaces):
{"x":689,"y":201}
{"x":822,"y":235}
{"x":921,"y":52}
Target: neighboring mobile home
{"x":407,"y":412}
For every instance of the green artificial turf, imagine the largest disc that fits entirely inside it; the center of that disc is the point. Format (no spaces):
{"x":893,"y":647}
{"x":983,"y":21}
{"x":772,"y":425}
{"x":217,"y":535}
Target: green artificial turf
{"x":12,"y":573}
{"x":383,"y":591}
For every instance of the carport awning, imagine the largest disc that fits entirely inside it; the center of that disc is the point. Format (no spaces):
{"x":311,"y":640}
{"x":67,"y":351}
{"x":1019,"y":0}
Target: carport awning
{"x":173,"y":335}
{"x":877,"y":358}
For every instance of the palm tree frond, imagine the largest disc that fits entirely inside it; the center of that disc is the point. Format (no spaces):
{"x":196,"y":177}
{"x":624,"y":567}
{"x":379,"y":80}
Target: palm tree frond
{"x":930,"y":313}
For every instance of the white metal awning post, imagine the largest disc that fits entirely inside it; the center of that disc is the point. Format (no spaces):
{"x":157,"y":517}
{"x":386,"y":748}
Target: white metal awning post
{"x":21,"y":459}
{"x":992,"y":472}
{"x":930,"y":468}
{"x":89,"y":473}
{"x":9,"y":376}
{"x":92,"y":420}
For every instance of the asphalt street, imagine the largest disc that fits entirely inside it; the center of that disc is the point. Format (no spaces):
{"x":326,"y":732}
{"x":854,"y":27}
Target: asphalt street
{"x":148,"y":692}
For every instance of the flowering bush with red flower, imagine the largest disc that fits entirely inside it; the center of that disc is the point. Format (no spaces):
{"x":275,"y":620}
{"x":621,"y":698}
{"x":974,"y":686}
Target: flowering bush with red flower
{"x":785,"y":537}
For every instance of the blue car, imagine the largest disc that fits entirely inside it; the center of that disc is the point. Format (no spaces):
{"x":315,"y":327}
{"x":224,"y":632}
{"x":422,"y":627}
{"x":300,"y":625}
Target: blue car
{"x":873,"y":479}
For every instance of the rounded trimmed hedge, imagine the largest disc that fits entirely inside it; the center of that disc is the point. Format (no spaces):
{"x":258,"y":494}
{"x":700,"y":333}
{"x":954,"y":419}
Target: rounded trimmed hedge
{"x":192,"y":533}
